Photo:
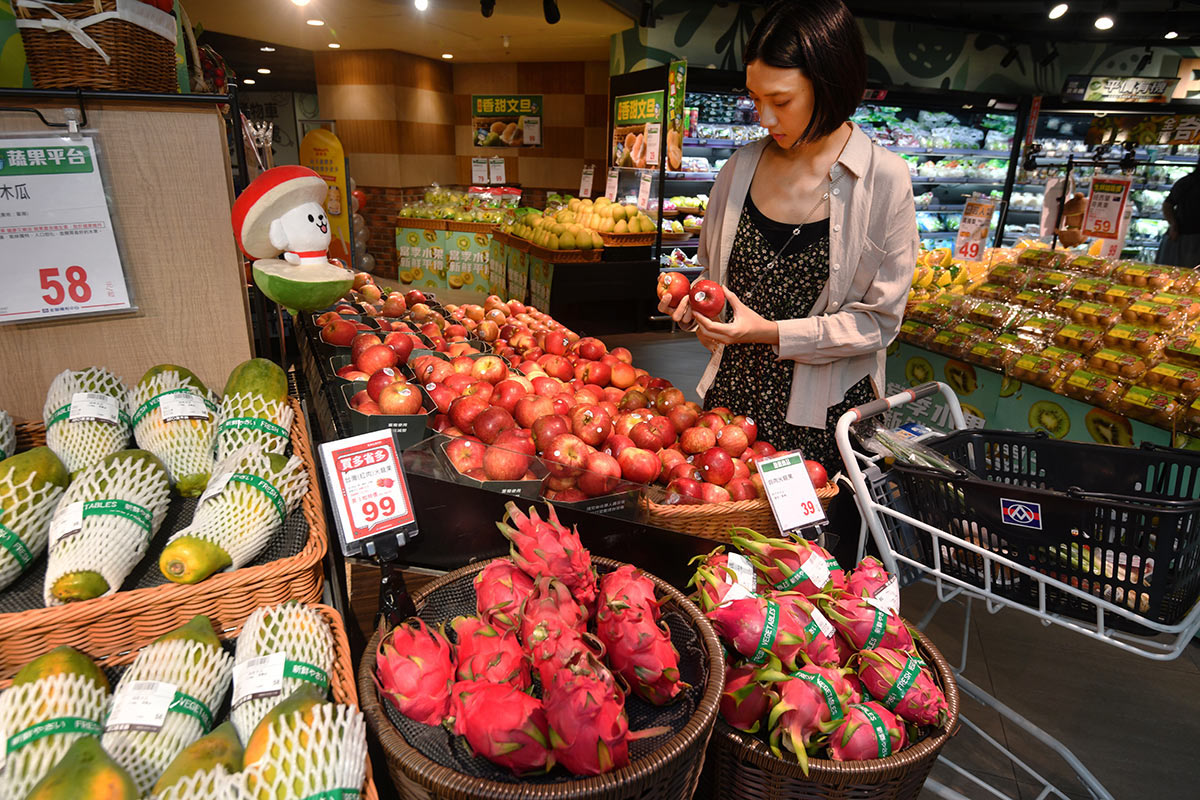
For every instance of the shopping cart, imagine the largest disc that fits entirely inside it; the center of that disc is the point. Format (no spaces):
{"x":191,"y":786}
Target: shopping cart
{"x":1103,"y":541}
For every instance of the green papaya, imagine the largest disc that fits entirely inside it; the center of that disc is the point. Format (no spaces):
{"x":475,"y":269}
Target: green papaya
{"x":85,"y":771}
{"x":61,"y":661}
{"x":219,"y":748}
{"x":31,"y":484}
{"x":302,"y":700}
{"x":185,"y":375}
{"x":258,"y":376}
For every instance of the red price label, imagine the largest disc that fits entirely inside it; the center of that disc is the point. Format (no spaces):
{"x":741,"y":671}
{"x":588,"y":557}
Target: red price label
{"x":969,"y":250}
{"x":76,"y":287}
{"x":367,"y":486}
{"x":372,"y":511}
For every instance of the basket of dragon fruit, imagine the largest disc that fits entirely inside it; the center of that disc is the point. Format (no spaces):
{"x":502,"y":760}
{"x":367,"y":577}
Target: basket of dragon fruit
{"x":829,"y":694}
{"x":549,"y":674}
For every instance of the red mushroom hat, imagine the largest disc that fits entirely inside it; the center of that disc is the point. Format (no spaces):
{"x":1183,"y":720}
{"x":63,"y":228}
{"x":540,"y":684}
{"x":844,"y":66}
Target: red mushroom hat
{"x":267,"y":198}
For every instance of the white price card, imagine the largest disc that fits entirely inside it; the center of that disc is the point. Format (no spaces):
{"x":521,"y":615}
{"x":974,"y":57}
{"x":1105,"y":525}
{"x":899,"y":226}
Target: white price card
{"x":182,"y":405}
{"x":94,"y":407}
{"x":971,"y":241}
{"x":653,"y":143}
{"x":367,"y":485}
{"x":736,"y":592}
{"x":585,"y":181}
{"x":258,"y":677}
{"x":531,"y":131}
{"x":817,"y":570}
{"x":140,"y":706}
{"x":496,"y":170}
{"x":67,"y":522}
{"x":1106,"y":206}
{"x":790,"y":491}
{"x":60,"y":252}
{"x":644,"y":186}
{"x":479,"y":171}
{"x":743,"y":571}
{"x":610,"y":188}
{"x":889,"y":595}
{"x":216,"y":485}
{"x":823,"y":622}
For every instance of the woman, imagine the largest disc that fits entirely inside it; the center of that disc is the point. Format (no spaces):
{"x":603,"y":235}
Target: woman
{"x":812,"y":232}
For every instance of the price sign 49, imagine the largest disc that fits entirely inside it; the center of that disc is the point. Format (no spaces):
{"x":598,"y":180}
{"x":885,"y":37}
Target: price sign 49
{"x":76,"y":285}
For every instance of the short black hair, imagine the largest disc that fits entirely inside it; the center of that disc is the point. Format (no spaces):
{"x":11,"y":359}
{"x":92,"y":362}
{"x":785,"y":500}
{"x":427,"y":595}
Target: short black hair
{"x":822,"y":40}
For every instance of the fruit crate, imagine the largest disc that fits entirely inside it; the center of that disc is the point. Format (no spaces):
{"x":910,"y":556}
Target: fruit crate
{"x":628,"y":239}
{"x":566,"y":256}
{"x":469,"y":227}
{"x":289,"y":569}
{"x":427,"y":224}
{"x":425,"y":763}
{"x":1120,"y":523}
{"x":716,"y":520}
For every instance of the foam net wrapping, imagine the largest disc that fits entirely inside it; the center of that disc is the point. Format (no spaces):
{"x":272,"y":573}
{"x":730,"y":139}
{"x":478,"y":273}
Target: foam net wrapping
{"x":25,"y":511}
{"x":109,"y":543}
{"x":8,"y":436}
{"x":252,"y":420}
{"x":199,"y":671}
{"x":207,"y":784}
{"x":245,"y":515}
{"x":74,"y":701}
{"x":82,"y":443}
{"x":301,"y":633}
{"x":185,"y":446}
{"x":307,"y":759}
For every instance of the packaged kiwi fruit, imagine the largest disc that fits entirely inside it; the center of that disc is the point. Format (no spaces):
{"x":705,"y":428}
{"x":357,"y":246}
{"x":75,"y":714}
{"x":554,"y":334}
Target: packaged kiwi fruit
{"x":1183,"y":348}
{"x":1118,"y":364}
{"x":1178,"y":380}
{"x":1079,"y":338}
{"x":1186,"y":281}
{"x":1009,"y":274}
{"x":1121,"y":295}
{"x":1156,"y":316}
{"x":1065,"y":305}
{"x":977,"y":332}
{"x":1034,"y":257}
{"x":1099,"y":315}
{"x":992,"y":355}
{"x":1032,"y":368}
{"x":1048,"y":280}
{"x":1088,"y":287}
{"x":916,"y":332}
{"x":1038,"y":324}
{"x":1068,"y":360}
{"x":1144,"y":276}
{"x":1134,"y":339}
{"x":1038,"y":301}
{"x":1094,"y":388}
{"x":952,"y":343}
{"x":1189,"y":419}
{"x":929,"y":312}
{"x":1150,"y":405}
{"x":1092,"y":265}
{"x":1188,"y":305}
{"x":993,"y":291}
{"x":991,"y":314}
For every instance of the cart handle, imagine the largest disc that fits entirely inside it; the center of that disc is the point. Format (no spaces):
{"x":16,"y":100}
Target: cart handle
{"x":877,"y":407}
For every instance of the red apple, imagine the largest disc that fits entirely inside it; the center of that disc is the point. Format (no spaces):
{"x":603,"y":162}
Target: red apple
{"x":507,"y":393}
{"x":381,"y":379}
{"x":457,"y":381}
{"x":633,"y":400}
{"x":673,"y":287}
{"x":622,"y":375}
{"x":708,"y":298}
{"x":741,"y":469}
{"x":666,"y":430}
{"x":546,"y":386}
{"x":530,"y":407}
{"x":590,"y":348}
{"x":326,"y":318}
{"x":490,"y":368}
{"x":614,"y":444}
{"x":370,"y":407}
{"x":763,"y":448}
{"x":479,"y":389}
{"x":638,"y":465}
{"x":491,"y":422}
{"x":748,"y":426}
{"x":600,"y":475}
{"x":591,"y":424}
{"x":817,"y":473}
{"x":338,"y":332}
{"x":556,"y":367}
{"x":441,"y":395}
{"x":548,"y":428}
{"x":462,"y":364}
{"x":682,"y":418}
{"x":375,"y":358}
{"x":596,"y":373}
{"x":466,"y":453}
{"x":566,"y":456}
{"x":487,"y":330}
{"x":415,"y":296}
{"x":571,"y":495}
{"x":400,"y":398}
{"x":732,"y":439}
{"x":711,"y":420}
{"x":668,"y":399}
{"x":715,"y":464}
{"x":684,"y":470}
{"x":402,"y":343}
{"x":711,"y":493}
{"x":646,"y":436}
{"x":742,"y":489}
{"x":556,"y":484}
{"x":556,"y":344}
{"x":352,"y":373}
{"x":464,"y":410}
{"x":697,"y":440}
{"x":623,"y":354}
{"x":359,"y":398}
{"x":684,"y":490}
{"x":361,"y":342}
{"x":394,"y":306}
{"x":509,"y":457}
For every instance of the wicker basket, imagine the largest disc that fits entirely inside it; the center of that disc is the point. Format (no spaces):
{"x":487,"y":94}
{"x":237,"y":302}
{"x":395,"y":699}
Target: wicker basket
{"x":670,"y":772}
{"x":566,"y":256}
{"x":742,"y":767}
{"x":714,"y":520}
{"x":113,"y":651}
{"x":140,"y":60}
{"x":140,"y":615}
{"x":425,"y":224}
{"x":627,"y":239}
{"x":469,"y":227}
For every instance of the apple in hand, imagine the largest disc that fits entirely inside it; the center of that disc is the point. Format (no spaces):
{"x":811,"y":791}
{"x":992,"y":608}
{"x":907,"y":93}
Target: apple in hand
{"x":400,"y":398}
{"x":673,"y":287}
{"x":708,"y":298}
{"x":600,"y":475}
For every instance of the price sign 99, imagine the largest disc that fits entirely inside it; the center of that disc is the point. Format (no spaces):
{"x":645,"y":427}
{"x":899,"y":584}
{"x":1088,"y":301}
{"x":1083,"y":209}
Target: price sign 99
{"x":76,"y":287}
{"x":373,"y":511}
{"x":367,"y":486}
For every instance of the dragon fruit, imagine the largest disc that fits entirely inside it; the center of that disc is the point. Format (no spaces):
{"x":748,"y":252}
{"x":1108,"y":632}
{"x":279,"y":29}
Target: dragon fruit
{"x":627,"y":587}
{"x":414,"y":669}
{"x":640,"y":650}
{"x":809,"y":704}
{"x":904,"y":685}
{"x":712,"y":579}
{"x":589,"y":730}
{"x":782,"y":562}
{"x":741,"y":623}
{"x":745,"y":701}
{"x":551,"y":651}
{"x":486,"y":654}
{"x":502,"y":724}
{"x":868,"y":731}
{"x":551,"y":606}
{"x":866,"y":627}
{"x":500,"y":590}
{"x":547,"y":548}
{"x":867,"y":578}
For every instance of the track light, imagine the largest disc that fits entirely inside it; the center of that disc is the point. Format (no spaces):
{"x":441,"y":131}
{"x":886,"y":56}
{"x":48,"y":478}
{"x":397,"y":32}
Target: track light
{"x":486,"y":7}
{"x":1009,"y":57}
{"x":1108,"y":16}
{"x":421,"y":5}
{"x":1145,"y":60}
{"x":550,"y":11}
{"x":1048,"y":59}
{"x":1170,"y":35}
{"x":1057,"y":10}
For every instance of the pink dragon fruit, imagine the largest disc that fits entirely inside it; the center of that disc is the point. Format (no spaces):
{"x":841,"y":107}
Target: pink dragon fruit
{"x":414,"y":669}
{"x":552,"y":651}
{"x":818,"y":648}
{"x":809,"y":704}
{"x":867,"y":578}
{"x":486,"y":654}
{"x":745,"y":701}
{"x":640,"y":650}
{"x":551,"y":605}
{"x":500,"y":591}
{"x":868,"y":731}
{"x":904,"y":685}
{"x":589,"y":731}
{"x":866,"y":627}
{"x":547,"y":548}
{"x":741,"y":624}
{"x":503,"y":724}
{"x":781,"y":562}
{"x":713,"y":579}
{"x":628,"y":587}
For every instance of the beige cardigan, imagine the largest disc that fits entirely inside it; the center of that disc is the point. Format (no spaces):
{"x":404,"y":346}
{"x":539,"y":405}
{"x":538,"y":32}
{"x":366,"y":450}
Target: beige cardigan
{"x":872,"y":253}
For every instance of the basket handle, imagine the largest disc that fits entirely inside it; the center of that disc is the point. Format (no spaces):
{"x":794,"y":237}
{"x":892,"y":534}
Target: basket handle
{"x":199,"y":83}
{"x":879,"y":406}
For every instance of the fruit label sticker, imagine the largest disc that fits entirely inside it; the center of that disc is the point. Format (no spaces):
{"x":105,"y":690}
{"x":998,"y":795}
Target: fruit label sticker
{"x":643,"y":201}
{"x":889,"y":595}
{"x":140,"y":706}
{"x":182,"y":405}
{"x":736,"y":592}
{"x":823,"y":623}
{"x":743,"y":571}
{"x":971,"y":241}
{"x":585,"y":180}
{"x":496,"y":170}
{"x":67,"y":522}
{"x":791,"y":494}
{"x":216,"y":485}
{"x":610,"y":188}
{"x":258,"y":677}
{"x":816,"y":569}
{"x":368,"y":490}
{"x":1106,"y":206}
{"x":479,"y":171}
{"x":94,"y":407}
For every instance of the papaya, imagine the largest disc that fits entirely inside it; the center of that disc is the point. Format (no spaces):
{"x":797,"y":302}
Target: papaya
{"x":301,"y":701}
{"x":198,"y":629}
{"x":258,"y":376}
{"x":85,"y":771}
{"x":219,"y":748}
{"x":61,"y":661}
{"x":31,"y":484}
{"x":185,"y":375}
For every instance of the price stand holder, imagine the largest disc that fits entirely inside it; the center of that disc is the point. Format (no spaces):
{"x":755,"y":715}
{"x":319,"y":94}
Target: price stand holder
{"x":610,"y":187}
{"x":585,"y":181}
{"x":373,"y":510}
{"x":973,"y":228}
{"x":790,"y":491}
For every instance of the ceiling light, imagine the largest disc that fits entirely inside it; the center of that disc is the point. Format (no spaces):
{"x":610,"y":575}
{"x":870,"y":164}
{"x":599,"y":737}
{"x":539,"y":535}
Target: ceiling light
{"x":447,"y":56}
{"x":299,"y":2}
{"x":1058,"y":10}
{"x":316,"y":23}
{"x":267,"y":49}
{"x":1170,"y":35}
{"x":249,"y":81}
{"x":421,"y":4}
{"x":264,"y":71}
{"x":334,"y":45}
{"x":486,"y":7}
{"x":550,"y":11}
{"x":1103,"y":22}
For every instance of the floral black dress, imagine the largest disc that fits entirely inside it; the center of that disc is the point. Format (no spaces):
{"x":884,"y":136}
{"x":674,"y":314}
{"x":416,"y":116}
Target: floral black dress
{"x":751,"y":379}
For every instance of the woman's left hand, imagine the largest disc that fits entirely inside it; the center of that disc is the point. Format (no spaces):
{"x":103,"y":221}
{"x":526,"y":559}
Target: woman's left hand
{"x":745,"y":327}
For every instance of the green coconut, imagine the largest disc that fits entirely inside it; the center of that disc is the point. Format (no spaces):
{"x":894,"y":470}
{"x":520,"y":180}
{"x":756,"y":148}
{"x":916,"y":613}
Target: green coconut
{"x":305,"y":287}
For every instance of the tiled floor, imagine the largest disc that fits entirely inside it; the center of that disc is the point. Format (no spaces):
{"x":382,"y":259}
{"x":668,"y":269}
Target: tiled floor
{"x":1133,"y":722}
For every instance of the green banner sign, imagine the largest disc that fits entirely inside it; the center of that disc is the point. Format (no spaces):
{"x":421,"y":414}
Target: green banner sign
{"x":44,"y":160}
{"x":637,"y":109}
{"x":485,"y":105}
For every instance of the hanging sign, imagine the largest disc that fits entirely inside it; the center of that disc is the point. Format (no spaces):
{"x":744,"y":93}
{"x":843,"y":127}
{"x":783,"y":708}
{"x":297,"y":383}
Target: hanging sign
{"x":321,"y":151}
{"x":585,"y":181}
{"x":790,"y":492}
{"x":1106,"y":206}
{"x":60,"y":254}
{"x":496,"y":170}
{"x":1111,"y":89}
{"x":610,"y":188}
{"x":971,"y":241}
{"x":632,"y":113}
{"x":368,"y":490}
{"x":479,"y":171}
{"x":507,"y":120}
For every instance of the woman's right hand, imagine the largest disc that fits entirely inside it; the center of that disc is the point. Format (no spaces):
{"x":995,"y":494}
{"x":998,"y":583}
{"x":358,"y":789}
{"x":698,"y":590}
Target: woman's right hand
{"x":682,"y":314}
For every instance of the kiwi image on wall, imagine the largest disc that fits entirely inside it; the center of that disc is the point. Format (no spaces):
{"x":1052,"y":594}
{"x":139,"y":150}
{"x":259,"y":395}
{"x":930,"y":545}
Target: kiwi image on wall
{"x":498,"y":132}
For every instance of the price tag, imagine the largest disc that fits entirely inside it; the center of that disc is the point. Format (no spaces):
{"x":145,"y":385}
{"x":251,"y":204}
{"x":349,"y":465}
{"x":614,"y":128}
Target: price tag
{"x":496,"y":170}
{"x":585,"y":182}
{"x":60,"y":251}
{"x":790,"y":492}
{"x":816,"y":569}
{"x":643,"y":201}
{"x":889,"y":595}
{"x":653,"y":142}
{"x":610,"y":188}
{"x":258,"y":677}
{"x":94,"y":407}
{"x":67,"y":522}
{"x":823,"y":623}
{"x":216,"y":485}
{"x":182,"y":405}
{"x":367,"y":487}
{"x":743,"y":571}
{"x":140,"y":706}
{"x":736,"y":592}
{"x":531,"y":131}
{"x":1106,"y":206}
{"x":479,"y":171}
{"x":971,"y":241}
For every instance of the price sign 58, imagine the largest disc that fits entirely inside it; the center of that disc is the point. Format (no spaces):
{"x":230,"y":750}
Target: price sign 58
{"x":77,"y":285}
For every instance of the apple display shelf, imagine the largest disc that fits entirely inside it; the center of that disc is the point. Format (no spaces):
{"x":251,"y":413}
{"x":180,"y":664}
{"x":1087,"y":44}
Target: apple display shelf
{"x":427,"y":762}
{"x":408,"y":428}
